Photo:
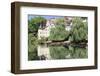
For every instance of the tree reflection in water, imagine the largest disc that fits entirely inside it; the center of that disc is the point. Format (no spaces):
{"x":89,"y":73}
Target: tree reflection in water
{"x":58,"y":52}
{"x":61,"y":52}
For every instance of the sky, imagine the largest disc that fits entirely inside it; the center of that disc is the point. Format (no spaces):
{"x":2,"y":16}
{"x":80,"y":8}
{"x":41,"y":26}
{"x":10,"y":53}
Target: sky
{"x":45,"y":16}
{"x":30,"y":16}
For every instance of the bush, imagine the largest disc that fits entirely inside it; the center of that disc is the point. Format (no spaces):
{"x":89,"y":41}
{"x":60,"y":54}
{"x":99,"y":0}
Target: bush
{"x":79,"y":31}
{"x":58,"y":33}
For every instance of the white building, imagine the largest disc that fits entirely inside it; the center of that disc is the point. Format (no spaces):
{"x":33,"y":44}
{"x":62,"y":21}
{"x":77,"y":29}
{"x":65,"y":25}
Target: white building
{"x":45,"y":32}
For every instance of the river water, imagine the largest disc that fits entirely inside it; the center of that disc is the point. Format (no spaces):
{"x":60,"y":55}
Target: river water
{"x":46,"y":52}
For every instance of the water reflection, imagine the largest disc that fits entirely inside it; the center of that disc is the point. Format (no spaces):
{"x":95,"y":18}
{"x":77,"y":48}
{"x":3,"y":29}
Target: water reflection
{"x":45,"y":52}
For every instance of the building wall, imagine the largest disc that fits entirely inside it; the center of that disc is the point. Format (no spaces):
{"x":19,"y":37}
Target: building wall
{"x":46,"y":31}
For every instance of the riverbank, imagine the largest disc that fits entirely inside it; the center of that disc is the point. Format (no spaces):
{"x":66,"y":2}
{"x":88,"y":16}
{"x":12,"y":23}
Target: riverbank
{"x":65,"y":43}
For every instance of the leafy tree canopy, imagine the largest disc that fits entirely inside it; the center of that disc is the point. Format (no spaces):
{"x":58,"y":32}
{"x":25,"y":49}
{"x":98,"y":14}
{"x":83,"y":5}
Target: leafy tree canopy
{"x":34,"y":23}
{"x":79,"y":30}
{"x":58,"y":33}
{"x":60,"y":21}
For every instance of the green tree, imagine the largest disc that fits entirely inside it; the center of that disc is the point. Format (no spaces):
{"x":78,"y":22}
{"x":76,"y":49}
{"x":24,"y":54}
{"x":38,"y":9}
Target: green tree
{"x":60,"y":21}
{"x":34,"y":23}
{"x":58,"y":33}
{"x":79,"y":31}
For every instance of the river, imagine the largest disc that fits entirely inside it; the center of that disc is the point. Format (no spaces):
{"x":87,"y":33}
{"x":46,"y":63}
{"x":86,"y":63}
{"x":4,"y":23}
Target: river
{"x":47,"y":52}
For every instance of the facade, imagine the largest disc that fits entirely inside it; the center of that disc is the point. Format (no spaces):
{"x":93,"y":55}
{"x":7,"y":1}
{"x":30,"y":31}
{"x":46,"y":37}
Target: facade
{"x":46,"y":31}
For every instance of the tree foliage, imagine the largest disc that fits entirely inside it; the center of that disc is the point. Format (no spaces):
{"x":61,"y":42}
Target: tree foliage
{"x":61,"y":21}
{"x":79,"y":31}
{"x":34,"y":23}
{"x":58,"y":33}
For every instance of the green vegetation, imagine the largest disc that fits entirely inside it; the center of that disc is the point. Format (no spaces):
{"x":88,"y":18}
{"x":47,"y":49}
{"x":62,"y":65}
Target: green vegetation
{"x":33,"y":26}
{"x":61,"y":22}
{"x":34,"y":23}
{"x":58,"y":33}
{"x":32,"y":47}
{"x":61,"y":52}
{"x":58,"y":52}
{"x":77,"y":34}
{"x":78,"y":52}
{"x":33,"y":54}
{"x":32,"y":43}
{"x":79,"y":31}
